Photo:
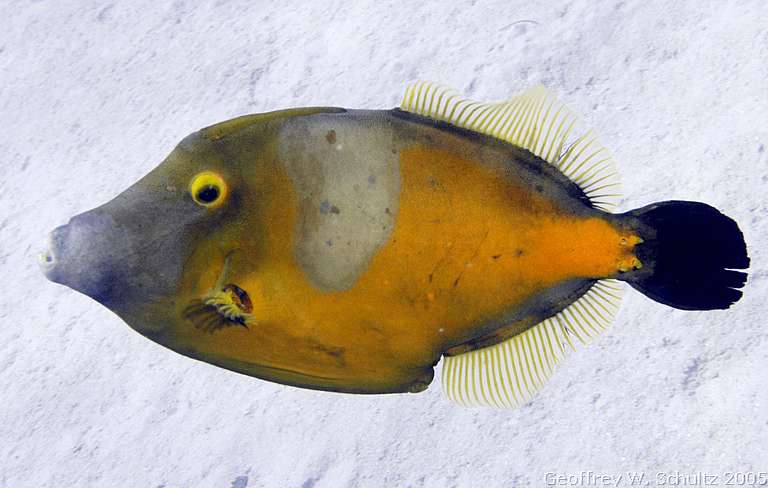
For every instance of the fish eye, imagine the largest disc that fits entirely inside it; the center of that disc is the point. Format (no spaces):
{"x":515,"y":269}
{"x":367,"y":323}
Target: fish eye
{"x":208,"y":189}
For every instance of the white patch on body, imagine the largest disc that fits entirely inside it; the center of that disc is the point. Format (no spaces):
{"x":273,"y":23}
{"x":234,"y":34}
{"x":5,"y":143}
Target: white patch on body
{"x":346,"y":173}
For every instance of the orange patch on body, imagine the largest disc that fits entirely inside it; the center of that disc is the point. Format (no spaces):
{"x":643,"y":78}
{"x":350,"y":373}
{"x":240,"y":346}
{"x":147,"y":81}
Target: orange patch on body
{"x":470,"y":243}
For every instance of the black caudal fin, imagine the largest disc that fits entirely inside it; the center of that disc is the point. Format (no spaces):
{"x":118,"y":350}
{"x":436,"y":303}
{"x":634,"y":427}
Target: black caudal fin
{"x":689,"y":253}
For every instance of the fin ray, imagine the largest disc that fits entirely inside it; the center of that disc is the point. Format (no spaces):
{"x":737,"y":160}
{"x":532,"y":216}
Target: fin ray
{"x":510,"y":373}
{"x":534,"y":120}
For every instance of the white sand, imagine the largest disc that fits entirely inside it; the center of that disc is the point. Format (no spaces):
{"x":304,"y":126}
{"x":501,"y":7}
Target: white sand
{"x":92,"y":97}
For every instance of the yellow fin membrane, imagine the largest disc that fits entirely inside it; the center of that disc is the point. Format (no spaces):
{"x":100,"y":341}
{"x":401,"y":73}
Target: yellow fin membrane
{"x":534,"y":120}
{"x":509,"y":374}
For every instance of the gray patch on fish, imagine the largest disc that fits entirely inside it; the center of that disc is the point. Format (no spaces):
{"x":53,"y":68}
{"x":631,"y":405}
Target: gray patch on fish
{"x":337,"y":200}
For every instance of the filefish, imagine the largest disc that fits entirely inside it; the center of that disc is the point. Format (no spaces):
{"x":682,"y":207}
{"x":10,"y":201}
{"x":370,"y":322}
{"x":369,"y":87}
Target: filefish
{"x":352,"y":250}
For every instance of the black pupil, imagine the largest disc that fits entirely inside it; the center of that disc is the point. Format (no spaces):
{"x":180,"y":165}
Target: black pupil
{"x":208,"y":194}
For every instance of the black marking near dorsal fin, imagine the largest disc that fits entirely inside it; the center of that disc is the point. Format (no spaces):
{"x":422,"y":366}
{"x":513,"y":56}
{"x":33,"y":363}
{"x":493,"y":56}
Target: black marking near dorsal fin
{"x":534,"y":120}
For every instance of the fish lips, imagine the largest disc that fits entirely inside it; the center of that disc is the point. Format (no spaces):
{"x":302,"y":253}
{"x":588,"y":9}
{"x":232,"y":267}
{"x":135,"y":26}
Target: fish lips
{"x":88,"y":255}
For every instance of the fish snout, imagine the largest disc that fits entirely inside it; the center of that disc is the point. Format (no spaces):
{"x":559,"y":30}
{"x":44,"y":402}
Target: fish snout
{"x":87,"y":255}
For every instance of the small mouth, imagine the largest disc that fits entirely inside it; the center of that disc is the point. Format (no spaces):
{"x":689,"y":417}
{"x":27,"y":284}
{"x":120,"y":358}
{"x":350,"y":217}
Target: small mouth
{"x":46,"y":259}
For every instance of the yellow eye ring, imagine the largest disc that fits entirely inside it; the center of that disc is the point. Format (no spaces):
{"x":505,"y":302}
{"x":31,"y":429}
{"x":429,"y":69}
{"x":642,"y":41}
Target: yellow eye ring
{"x":208,"y":189}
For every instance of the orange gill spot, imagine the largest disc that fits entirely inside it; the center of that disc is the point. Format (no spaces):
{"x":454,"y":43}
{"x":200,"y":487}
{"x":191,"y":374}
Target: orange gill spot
{"x":239,"y":297}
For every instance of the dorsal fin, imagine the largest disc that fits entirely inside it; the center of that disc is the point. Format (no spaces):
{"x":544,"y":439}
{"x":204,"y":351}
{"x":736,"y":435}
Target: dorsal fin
{"x":534,"y":120}
{"x":508,"y":374}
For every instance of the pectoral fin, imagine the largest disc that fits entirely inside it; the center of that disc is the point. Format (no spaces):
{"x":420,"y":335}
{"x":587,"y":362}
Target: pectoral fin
{"x":225,"y":305}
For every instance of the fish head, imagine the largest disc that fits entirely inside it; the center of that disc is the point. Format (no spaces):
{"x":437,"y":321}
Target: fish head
{"x":140,"y":253}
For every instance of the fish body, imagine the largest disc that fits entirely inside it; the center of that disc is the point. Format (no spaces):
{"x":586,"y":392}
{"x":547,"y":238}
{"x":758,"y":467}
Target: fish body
{"x":349,"y":250}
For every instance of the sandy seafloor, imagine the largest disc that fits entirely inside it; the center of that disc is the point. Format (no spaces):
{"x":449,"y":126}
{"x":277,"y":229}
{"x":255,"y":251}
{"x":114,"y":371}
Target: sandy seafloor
{"x":94,"y":95}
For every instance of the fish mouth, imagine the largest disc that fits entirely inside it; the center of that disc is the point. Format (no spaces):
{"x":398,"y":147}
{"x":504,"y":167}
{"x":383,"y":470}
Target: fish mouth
{"x":46,"y":259}
{"x":75,"y":255}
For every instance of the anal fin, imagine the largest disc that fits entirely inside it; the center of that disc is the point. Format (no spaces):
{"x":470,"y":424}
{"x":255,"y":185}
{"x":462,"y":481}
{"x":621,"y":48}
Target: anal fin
{"x":510,"y":373}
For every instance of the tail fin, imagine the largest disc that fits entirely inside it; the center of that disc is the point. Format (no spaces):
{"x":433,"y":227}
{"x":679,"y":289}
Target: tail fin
{"x":689,"y":251}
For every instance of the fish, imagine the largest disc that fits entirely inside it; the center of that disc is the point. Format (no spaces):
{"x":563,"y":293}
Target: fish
{"x":352,"y":250}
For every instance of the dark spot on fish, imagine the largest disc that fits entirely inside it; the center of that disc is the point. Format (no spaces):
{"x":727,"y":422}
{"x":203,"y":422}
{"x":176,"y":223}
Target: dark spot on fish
{"x":335,"y":209}
{"x":432,"y":181}
{"x":372,"y":179}
{"x":496,"y":256}
{"x":329,"y":243}
{"x":456,"y":282}
{"x":241,"y":298}
{"x":334,"y":352}
{"x":331,"y":137}
{"x":386,"y":211}
{"x":430,"y":277}
{"x":372,"y":327}
{"x":519,"y":253}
